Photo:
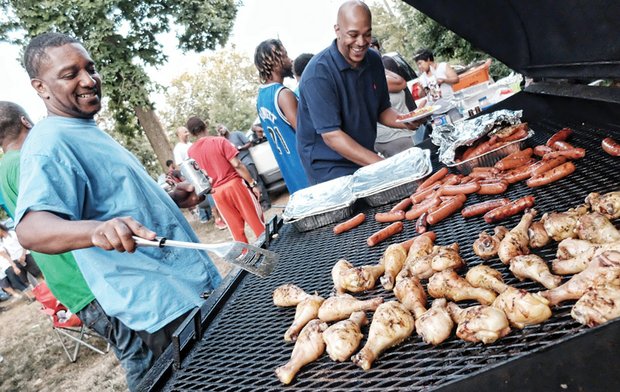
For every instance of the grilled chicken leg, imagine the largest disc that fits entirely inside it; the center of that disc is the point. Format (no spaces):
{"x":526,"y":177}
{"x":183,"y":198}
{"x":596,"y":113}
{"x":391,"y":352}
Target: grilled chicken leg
{"x":487,"y":278}
{"x":342,"y":306}
{"x":583,"y":259}
{"x":479,"y":323}
{"x":447,"y":284}
{"x":288,"y":295}
{"x":597,"y":229}
{"x":306,"y":310}
{"x":608,"y":204}
{"x":534,"y":268}
{"x":355,"y":279}
{"x":603,"y":270}
{"x":486,"y":245}
{"x":446,"y":257}
{"x":308,"y":348}
{"x":597,"y":305}
{"x":393,"y":261}
{"x":538,"y":235}
{"x":516,"y":241}
{"x":561,"y":225}
{"x":343,"y":338}
{"x":391,"y":324}
{"x":435,"y":325}
{"x":410,"y":293}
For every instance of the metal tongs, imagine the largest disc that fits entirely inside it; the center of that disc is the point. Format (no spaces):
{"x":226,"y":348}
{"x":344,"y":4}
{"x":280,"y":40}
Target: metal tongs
{"x":255,"y":260}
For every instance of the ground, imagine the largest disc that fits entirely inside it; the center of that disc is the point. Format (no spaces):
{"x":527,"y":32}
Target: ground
{"x":31,"y":359}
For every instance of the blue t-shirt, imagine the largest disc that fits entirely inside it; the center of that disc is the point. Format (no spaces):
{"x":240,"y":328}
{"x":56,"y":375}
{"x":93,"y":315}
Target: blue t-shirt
{"x":73,"y":169}
{"x":281,"y":137}
{"x":238,"y":139}
{"x":336,"y":96}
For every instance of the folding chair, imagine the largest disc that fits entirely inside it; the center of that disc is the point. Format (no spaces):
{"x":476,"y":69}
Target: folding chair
{"x":72,"y":329}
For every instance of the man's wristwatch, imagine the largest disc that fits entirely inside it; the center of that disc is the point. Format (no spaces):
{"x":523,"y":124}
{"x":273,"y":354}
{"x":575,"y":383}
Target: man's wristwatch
{"x":253,"y":184}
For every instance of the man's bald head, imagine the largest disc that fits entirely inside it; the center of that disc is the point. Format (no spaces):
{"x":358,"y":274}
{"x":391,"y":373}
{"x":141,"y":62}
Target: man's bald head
{"x":183,"y":134}
{"x":353,"y":31}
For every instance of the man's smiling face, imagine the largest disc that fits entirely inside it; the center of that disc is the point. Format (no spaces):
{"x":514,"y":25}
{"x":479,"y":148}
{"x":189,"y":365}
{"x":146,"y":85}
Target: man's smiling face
{"x":353,"y":35}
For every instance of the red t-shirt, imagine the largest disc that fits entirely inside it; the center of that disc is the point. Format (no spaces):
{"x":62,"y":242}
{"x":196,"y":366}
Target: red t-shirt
{"x":213,"y":154}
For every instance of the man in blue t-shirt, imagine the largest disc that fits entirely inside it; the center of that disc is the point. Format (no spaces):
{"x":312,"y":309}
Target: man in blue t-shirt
{"x":343,"y":96}
{"x":81,"y":191}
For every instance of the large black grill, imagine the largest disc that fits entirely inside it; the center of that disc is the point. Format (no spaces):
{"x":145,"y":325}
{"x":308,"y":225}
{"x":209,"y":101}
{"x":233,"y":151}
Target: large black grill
{"x":243,"y":344}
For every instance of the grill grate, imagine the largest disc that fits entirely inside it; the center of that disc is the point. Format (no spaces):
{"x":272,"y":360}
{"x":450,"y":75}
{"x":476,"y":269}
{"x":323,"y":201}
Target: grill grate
{"x":243,"y":345}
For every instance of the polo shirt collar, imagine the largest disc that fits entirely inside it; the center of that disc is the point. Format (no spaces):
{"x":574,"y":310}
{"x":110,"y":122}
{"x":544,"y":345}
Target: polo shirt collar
{"x":341,"y":62}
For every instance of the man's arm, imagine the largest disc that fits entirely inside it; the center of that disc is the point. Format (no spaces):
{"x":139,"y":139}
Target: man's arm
{"x":245,"y":174}
{"x":287,"y":101}
{"x":451,"y":76}
{"x":395,"y":82}
{"x":389,"y":116}
{"x":34,"y":232}
{"x":346,"y":146}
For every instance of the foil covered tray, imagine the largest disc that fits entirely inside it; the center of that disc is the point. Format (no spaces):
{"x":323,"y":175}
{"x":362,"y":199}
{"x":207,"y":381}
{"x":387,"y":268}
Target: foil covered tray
{"x":320,"y":205}
{"x":492,"y":157}
{"x":393,"y":178}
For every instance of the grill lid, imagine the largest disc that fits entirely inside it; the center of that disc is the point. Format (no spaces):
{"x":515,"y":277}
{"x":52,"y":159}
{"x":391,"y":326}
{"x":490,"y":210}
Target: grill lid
{"x":547,"y":39}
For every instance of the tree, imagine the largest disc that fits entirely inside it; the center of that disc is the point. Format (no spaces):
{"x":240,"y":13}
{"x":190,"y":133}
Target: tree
{"x":122,"y":38}
{"x":402,"y":28}
{"x":222,"y":90}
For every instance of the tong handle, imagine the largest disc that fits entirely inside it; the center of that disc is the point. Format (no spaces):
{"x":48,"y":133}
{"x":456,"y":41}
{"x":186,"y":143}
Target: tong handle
{"x":158,"y":242}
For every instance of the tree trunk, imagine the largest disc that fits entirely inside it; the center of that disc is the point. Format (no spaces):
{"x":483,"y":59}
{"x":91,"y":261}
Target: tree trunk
{"x":156,"y":135}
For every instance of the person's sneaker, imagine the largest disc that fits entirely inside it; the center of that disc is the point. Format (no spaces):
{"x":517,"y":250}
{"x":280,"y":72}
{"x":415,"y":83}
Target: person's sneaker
{"x":220,"y":224}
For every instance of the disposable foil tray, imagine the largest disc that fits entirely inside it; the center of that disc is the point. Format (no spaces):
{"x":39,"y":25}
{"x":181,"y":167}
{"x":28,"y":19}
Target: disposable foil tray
{"x":320,"y":205}
{"x":492,"y":157}
{"x":393,"y":178}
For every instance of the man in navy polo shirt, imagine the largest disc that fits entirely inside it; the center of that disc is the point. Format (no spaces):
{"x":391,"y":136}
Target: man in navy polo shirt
{"x":343,"y":95}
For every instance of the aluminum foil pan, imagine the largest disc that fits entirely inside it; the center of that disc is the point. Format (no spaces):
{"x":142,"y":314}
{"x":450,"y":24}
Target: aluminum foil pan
{"x":449,"y":137}
{"x":492,"y":157}
{"x":392,"y":178}
{"x":320,"y":204}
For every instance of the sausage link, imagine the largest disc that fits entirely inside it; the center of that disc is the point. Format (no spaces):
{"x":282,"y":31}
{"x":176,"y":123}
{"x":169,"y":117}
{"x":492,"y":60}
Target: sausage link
{"x":544,"y":166}
{"x":438,"y":175}
{"x":483,"y":207}
{"x":420,"y":225}
{"x":421,"y":208}
{"x":350,"y":224}
{"x":541,"y":150}
{"x":425,"y":193}
{"x":508,"y":210}
{"x":519,"y":173}
{"x":552,"y":175}
{"x":515,"y":159}
{"x":385,"y":233}
{"x":461,"y":189}
{"x":575,"y":153}
{"x":493,"y":188}
{"x":562,"y":145}
{"x":560,"y":135}
{"x":402,"y":205}
{"x":443,"y":211}
{"x":385,"y":217}
{"x":610,"y":146}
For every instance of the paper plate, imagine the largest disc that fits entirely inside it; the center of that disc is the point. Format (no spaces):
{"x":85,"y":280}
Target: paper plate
{"x":418,"y":113}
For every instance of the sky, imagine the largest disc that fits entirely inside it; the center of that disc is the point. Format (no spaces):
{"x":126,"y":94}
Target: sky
{"x":302,"y":26}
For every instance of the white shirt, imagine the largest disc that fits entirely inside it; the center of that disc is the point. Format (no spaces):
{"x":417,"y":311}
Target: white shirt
{"x":180,"y":152}
{"x":4,"y":264}
{"x":438,"y":72}
{"x":12,"y":246}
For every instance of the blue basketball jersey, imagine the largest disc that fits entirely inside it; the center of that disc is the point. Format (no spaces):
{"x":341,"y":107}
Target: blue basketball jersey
{"x":281,"y":137}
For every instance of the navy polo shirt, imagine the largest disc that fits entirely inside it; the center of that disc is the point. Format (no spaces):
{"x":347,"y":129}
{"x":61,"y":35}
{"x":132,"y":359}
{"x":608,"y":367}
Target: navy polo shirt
{"x":335,"y":96}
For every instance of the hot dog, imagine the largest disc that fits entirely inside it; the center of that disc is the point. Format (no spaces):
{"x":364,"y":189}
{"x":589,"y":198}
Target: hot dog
{"x":423,"y":195}
{"x":385,"y":217}
{"x":519,"y":134}
{"x":446,"y":209}
{"x":350,"y":224}
{"x":519,"y":173}
{"x":508,"y":210}
{"x":575,"y":153}
{"x":562,"y":145}
{"x":552,"y":175}
{"x":544,"y":166}
{"x":438,"y":175}
{"x":562,"y":134}
{"x":402,"y":205}
{"x":385,"y":233}
{"x":515,"y":159}
{"x":540,"y":151}
{"x":611,"y":147}
{"x":420,"y":225}
{"x":461,"y":189}
{"x":492,"y":187}
{"x":419,"y":209}
{"x":451,"y":179}
{"x":483,"y":208}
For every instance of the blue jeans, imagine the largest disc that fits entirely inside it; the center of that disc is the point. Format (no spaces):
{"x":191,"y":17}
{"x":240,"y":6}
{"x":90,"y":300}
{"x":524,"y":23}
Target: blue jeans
{"x":131,"y":351}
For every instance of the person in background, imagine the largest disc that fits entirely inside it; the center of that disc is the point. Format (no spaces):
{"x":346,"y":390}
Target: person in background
{"x":258,"y":134}
{"x":436,"y":78}
{"x":174,"y":174}
{"x":20,"y":256}
{"x":299,"y":64}
{"x":180,"y":149}
{"x":343,"y":94}
{"x":10,"y":279}
{"x":83,"y":192}
{"x":242,"y":144}
{"x":238,"y":203}
{"x":277,"y":109}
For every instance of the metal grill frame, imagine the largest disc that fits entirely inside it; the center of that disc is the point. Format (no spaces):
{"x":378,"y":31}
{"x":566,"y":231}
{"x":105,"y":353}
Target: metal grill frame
{"x":242,"y":342}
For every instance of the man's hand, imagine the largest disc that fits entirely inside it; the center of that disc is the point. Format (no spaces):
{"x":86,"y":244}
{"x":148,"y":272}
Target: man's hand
{"x":117,"y":233}
{"x":16,"y":269}
{"x":256,"y":192}
{"x":184,"y":196}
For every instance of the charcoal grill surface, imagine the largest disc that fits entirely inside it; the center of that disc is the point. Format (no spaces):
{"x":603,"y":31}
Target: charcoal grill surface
{"x":244,"y":343}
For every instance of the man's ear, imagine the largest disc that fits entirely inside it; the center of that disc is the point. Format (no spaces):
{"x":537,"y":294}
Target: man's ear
{"x":336,"y":29}
{"x":40,"y":88}
{"x":26,"y":122}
